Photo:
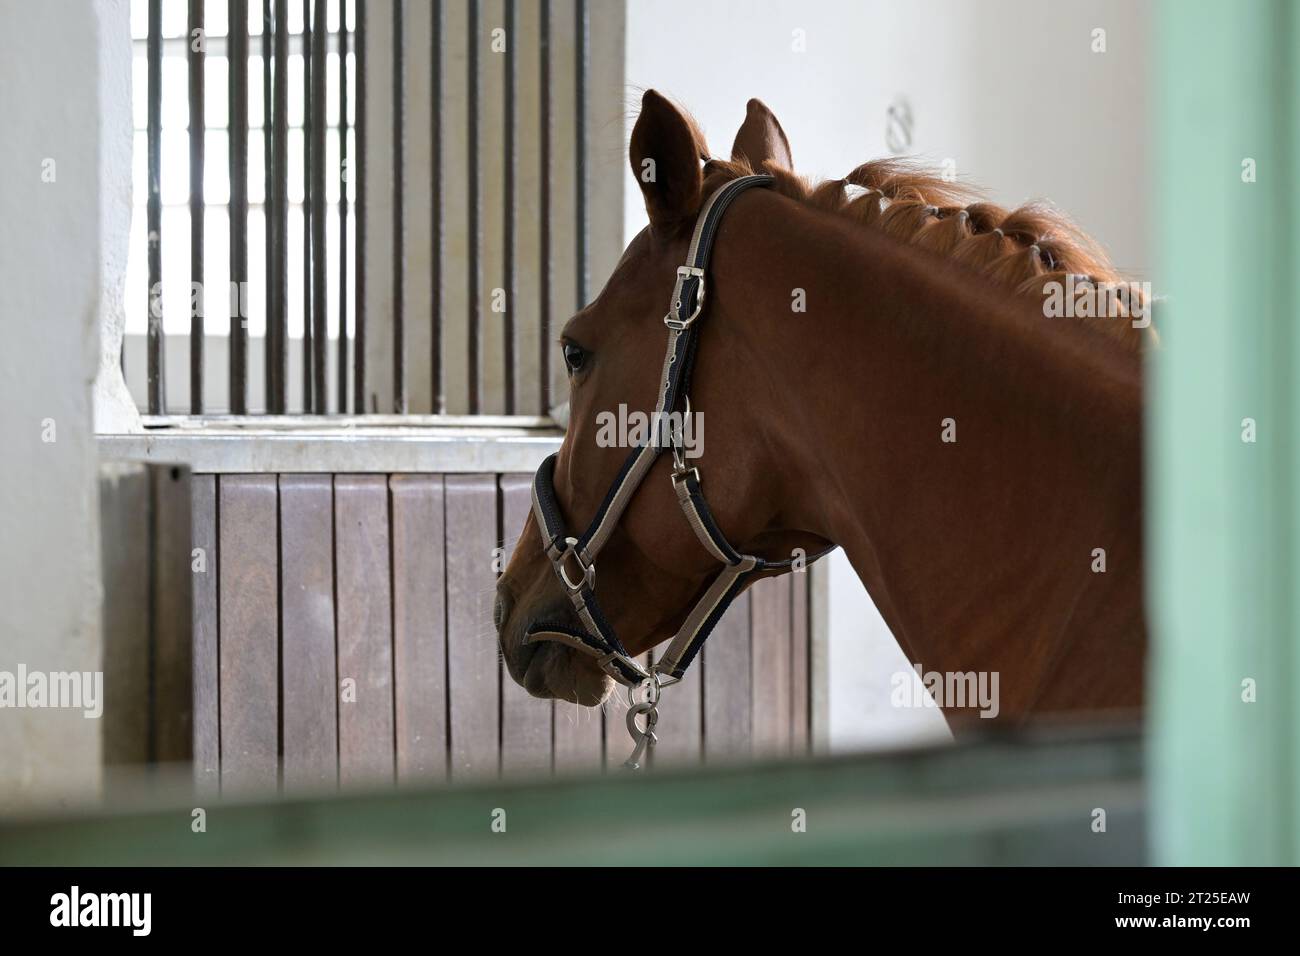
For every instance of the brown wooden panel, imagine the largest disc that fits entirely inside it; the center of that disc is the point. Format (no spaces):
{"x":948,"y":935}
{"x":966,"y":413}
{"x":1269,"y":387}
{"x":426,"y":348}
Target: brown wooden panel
{"x":580,"y":734}
{"x":473,"y":677}
{"x":124,"y":504}
{"x":172,"y":615}
{"x":365,"y":638}
{"x":204,"y":572}
{"x":525,"y":720}
{"x":250,"y":679}
{"x":770,"y":622}
{"x":419,"y":626}
{"x":726,"y":666}
{"x":800,"y":702}
{"x":681,"y":721}
{"x":310,"y":735}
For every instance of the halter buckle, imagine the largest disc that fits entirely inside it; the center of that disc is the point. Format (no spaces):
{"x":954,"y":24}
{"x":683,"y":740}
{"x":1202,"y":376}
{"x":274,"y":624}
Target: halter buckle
{"x":679,"y":476}
{"x":677,"y":440}
{"x":588,"y":570}
{"x":671,"y":320}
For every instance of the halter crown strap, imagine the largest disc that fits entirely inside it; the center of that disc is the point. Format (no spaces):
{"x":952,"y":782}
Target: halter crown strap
{"x":574,"y":558}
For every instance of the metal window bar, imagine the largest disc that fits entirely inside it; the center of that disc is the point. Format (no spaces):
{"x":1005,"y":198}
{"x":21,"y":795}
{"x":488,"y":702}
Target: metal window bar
{"x":198,"y":130}
{"x":399,"y":208}
{"x":544,"y":216}
{"x":268,"y":177}
{"x":490,"y":379}
{"x":359,"y":330}
{"x":237,"y":34}
{"x":436,"y":224}
{"x":157,"y":381}
{"x":277,"y":332}
{"x":475,"y":269}
{"x":342,"y":207}
{"x":308,"y":148}
{"x":318,"y":246}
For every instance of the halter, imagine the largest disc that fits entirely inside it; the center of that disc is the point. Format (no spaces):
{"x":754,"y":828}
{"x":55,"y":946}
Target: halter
{"x":574,"y":559}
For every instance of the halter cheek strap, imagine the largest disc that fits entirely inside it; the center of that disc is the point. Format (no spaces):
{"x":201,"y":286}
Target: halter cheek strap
{"x":574,"y":559}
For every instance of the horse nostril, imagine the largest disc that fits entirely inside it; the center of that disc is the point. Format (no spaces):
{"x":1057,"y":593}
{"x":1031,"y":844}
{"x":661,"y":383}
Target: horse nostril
{"x":500,"y":611}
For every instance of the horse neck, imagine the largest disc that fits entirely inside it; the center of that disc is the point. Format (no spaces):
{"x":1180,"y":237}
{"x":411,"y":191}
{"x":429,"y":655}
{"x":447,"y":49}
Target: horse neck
{"x":979,"y":552}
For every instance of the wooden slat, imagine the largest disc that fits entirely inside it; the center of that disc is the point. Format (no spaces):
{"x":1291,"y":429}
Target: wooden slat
{"x":580,"y":734}
{"x":204,"y":567}
{"x":365,"y":638}
{"x":681,"y":722}
{"x":250,"y":679}
{"x":770,"y":622}
{"x":124,"y":536}
{"x":800,"y":661}
{"x":307,"y":632}
{"x":726,"y":665}
{"x":455,"y":201}
{"x":525,"y":720}
{"x":172,"y":615}
{"x":819,"y":668}
{"x":419,"y":626}
{"x":473,"y":676}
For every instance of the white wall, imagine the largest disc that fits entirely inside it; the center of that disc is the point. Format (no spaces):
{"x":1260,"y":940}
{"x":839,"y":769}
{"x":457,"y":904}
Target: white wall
{"x":1010,"y":90}
{"x":53,"y":273}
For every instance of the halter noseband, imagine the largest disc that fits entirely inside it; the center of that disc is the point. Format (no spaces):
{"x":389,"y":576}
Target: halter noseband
{"x":574,"y":558}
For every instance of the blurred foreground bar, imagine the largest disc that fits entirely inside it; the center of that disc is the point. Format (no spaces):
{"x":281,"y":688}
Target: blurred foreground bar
{"x":1013,"y":798}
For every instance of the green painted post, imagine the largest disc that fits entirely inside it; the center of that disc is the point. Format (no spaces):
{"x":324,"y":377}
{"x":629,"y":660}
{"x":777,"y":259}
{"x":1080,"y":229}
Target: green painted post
{"x":1224,"y":526}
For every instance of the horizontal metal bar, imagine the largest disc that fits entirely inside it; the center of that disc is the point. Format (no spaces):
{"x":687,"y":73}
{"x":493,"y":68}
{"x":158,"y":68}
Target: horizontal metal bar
{"x":542,"y":424}
{"x":217,"y":46}
{"x":342,"y":448}
{"x":1006,"y":800}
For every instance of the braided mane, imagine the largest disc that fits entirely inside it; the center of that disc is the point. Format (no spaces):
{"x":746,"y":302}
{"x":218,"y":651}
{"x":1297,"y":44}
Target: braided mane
{"x":1032,"y":250}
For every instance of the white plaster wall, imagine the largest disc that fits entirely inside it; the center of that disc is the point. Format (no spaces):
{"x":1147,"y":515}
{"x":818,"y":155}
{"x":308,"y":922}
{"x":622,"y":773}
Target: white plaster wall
{"x":1010,"y":90}
{"x":115,"y":409}
{"x":52,"y":277}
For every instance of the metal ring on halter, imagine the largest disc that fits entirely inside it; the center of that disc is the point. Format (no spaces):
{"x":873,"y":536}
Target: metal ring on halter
{"x":588,"y":570}
{"x":651,"y":696}
{"x":654,"y":686}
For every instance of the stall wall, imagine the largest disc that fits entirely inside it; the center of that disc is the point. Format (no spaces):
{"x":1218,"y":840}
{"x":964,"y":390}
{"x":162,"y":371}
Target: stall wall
{"x":58,"y":72}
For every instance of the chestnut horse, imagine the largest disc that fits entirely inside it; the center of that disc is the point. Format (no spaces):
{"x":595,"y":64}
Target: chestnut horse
{"x":879,"y":369}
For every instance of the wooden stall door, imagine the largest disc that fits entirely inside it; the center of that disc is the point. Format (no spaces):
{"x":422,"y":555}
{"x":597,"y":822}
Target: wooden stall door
{"x":346,"y":639}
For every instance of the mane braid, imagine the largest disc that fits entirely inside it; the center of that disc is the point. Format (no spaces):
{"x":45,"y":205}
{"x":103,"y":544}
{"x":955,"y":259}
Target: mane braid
{"x":1034,"y":250}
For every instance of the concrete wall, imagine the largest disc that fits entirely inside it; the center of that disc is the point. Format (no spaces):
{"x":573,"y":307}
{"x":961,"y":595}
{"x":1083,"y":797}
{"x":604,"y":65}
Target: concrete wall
{"x":53,"y":74}
{"x":1010,"y":90}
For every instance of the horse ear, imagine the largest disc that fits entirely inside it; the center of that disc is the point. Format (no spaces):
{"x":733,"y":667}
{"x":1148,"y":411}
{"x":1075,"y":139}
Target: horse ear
{"x":665,"y":154}
{"x":761,"y":138}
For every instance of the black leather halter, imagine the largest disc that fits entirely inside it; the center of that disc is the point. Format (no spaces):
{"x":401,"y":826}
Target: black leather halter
{"x":574,"y":559}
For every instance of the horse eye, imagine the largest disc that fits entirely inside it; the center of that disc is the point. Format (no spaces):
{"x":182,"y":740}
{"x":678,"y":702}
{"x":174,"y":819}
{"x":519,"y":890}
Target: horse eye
{"x":574,"y":356}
